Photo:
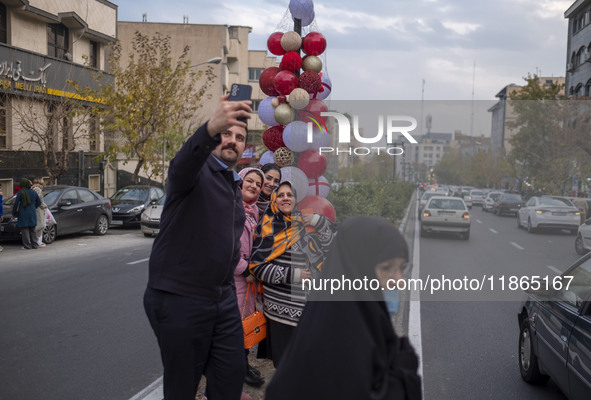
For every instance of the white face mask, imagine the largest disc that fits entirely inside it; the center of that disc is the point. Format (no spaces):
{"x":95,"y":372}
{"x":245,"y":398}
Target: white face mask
{"x":391,"y":300}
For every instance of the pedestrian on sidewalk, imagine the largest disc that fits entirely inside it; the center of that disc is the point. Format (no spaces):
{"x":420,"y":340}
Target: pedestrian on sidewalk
{"x":24,"y":208}
{"x":38,"y":188}
{"x":283,"y":255}
{"x":252,"y":182}
{"x":190,"y":300}
{"x":345,"y":346}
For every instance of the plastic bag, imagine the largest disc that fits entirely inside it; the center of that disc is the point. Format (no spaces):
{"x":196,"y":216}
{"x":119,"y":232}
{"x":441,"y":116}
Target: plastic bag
{"x":49,"y":220}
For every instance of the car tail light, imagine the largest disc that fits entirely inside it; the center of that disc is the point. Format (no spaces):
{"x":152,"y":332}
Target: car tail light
{"x":576,"y":213}
{"x":426,"y":214}
{"x":466,"y":216}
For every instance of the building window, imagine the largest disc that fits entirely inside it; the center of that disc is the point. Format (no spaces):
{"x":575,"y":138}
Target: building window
{"x":3,"y":141}
{"x":3,"y":26}
{"x":95,"y":132}
{"x":93,"y":57}
{"x":255,"y":105}
{"x":57,"y":41}
{"x":255,"y":73}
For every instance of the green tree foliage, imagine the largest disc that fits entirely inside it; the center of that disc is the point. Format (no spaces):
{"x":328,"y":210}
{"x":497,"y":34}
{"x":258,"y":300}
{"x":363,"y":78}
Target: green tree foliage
{"x":552,"y":139}
{"x":152,"y":102}
{"x":481,"y":169}
{"x":384,"y":198}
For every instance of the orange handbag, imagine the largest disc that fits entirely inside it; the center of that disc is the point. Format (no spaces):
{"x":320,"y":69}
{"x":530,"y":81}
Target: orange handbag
{"x":255,"y":325}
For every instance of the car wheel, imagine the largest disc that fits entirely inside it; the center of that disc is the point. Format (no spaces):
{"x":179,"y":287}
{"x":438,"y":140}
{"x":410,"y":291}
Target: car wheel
{"x":528,"y":360}
{"x":49,"y":233}
{"x":466,"y":235}
{"x":530,"y":229}
{"x":579,"y":246}
{"x":102,"y":225}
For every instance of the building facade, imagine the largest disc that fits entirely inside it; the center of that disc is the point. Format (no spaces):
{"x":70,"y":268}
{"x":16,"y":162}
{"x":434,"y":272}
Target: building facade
{"x":44,"y":46}
{"x":578,"y":53}
{"x":503,"y":113}
{"x":210,"y":42}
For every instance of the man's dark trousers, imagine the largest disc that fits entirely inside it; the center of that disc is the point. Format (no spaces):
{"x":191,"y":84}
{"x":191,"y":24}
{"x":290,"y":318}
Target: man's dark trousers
{"x":212,"y":329}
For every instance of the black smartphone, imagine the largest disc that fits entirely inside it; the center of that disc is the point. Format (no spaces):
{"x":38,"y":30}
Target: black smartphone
{"x":240,"y":92}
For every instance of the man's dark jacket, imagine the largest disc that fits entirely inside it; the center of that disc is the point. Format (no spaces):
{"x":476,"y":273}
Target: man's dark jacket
{"x":198,"y":246}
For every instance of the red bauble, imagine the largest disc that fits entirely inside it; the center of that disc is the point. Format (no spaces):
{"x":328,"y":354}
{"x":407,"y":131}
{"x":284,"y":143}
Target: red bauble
{"x":310,"y":81}
{"x":313,"y":109}
{"x":314,"y":43}
{"x":312,"y":163}
{"x":273,"y":137}
{"x":320,"y":206}
{"x":291,"y":61}
{"x":274,"y":44}
{"x":267,"y":81}
{"x":285,"y":82}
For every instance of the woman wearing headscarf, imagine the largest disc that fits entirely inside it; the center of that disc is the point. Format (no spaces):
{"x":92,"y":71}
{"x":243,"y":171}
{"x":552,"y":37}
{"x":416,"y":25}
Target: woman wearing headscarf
{"x":345,"y":346}
{"x":24,"y":208}
{"x":38,"y":188}
{"x":283,"y":255}
{"x":272,"y":174}
{"x":252,"y":182}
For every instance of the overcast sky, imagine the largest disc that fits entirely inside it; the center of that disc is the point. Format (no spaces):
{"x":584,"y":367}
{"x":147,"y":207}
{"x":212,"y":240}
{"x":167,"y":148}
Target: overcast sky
{"x":383,"y":49}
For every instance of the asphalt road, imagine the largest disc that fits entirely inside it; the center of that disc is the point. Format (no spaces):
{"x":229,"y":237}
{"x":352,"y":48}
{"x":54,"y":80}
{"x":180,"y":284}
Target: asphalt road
{"x":72,"y":324}
{"x":470,"y":342}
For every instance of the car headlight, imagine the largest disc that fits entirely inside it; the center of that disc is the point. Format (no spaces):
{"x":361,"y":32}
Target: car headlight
{"x":136,"y":210}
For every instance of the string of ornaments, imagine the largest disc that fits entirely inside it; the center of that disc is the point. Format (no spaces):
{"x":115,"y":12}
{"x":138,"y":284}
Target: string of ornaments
{"x":296,"y":91}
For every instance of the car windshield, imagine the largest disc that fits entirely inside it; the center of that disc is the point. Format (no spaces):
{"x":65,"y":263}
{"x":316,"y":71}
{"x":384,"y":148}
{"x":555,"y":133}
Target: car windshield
{"x":134,"y":195}
{"x":50,"y":196}
{"x":447,"y":204}
{"x":428,"y":195}
{"x":548,"y":201}
{"x":473,"y":193}
{"x":494,"y":196}
{"x":511,"y":197}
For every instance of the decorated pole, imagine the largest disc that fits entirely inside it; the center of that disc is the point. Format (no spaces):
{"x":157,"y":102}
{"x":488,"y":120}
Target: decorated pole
{"x":296,"y":91}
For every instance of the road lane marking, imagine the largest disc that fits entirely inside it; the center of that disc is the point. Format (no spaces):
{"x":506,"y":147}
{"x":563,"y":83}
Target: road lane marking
{"x":516,"y":245}
{"x":558,"y":272}
{"x":154,"y":391}
{"x":492,"y":230}
{"x":138,"y":261}
{"x":414,"y":312}
{"x":479,"y":221}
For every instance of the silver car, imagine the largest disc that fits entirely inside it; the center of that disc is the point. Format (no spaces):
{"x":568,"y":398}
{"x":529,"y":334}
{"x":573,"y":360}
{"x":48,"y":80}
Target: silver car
{"x":477,"y":197}
{"x":547,"y":212}
{"x":150,"y":219}
{"x":446,"y":214}
{"x":489,"y":200}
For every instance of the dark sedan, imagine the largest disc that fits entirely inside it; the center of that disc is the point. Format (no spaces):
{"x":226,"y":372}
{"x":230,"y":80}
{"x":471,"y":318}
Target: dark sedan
{"x":75,"y":209}
{"x":129,"y":203}
{"x":555,"y":331}
{"x":507,"y":203}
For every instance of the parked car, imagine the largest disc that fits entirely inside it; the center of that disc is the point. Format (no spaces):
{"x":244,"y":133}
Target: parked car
{"x":477,"y":197}
{"x":75,"y":209}
{"x":549,"y":212}
{"x":150,"y":220}
{"x":555,"y":332}
{"x":489,"y":200}
{"x":446,"y":214}
{"x":583,"y":239}
{"x":129,"y":203}
{"x":507,"y":203}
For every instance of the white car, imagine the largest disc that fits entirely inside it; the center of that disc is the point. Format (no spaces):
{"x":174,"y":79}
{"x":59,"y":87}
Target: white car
{"x":547,"y":212}
{"x":583,"y":240}
{"x":477,"y":197}
{"x":425,"y":198}
{"x":446,"y":214}
{"x":489,"y":200}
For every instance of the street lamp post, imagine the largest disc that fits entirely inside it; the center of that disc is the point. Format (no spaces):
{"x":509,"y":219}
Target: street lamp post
{"x":215,"y":60}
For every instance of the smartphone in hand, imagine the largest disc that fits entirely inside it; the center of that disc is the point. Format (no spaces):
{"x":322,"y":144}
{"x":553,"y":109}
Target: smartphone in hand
{"x":239,"y":92}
